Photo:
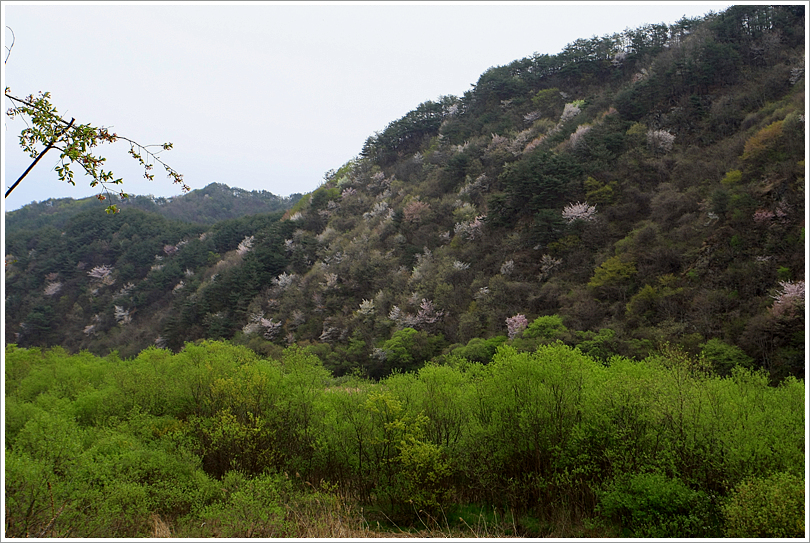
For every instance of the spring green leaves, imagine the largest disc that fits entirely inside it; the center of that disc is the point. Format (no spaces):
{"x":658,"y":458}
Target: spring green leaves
{"x":216,"y":434}
{"x":46,"y":130}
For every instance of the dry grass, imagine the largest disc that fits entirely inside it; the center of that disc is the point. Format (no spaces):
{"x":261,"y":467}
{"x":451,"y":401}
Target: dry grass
{"x":323,"y":516}
{"x":328,"y":513}
{"x":159,"y":527}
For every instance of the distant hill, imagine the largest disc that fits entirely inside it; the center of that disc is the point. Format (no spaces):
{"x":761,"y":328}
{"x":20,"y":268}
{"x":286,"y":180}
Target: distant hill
{"x":215,"y":202}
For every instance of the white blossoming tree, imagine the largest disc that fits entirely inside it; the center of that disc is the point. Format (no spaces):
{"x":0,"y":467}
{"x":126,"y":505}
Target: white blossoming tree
{"x":102,"y":274}
{"x":245,"y":245}
{"x":271,"y":328}
{"x":470,"y":230}
{"x":570,"y":111}
{"x":578,"y":137}
{"x":508,"y":267}
{"x":122,"y":315}
{"x":284,"y":280}
{"x":789,"y":299}
{"x":579,"y":212}
{"x":53,"y":288}
{"x":366,"y":308}
{"x":660,"y":140}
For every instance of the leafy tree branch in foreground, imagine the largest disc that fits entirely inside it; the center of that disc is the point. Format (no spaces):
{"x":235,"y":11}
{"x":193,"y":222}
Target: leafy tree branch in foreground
{"x":76,"y":142}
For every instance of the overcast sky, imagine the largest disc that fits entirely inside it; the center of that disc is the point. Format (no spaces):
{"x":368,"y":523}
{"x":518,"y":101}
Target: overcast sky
{"x":266,"y":96}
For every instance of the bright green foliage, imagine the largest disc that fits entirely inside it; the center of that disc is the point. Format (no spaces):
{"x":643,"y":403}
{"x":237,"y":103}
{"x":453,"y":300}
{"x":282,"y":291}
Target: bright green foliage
{"x":425,"y":471}
{"x":763,"y":143}
{"x":542,"y":330}
{"x":599,"y":345}
{"x":654,"y":505}
{"x":252,"y":507}
{"x":725,"y":357}
{"x":408,"y":349}
{"x":398,"y":348}
{"x":767,"y":507}
{"x":479,"y":349}
{"x":599,"y":193}
{"x":547,"y":328}
{"x":655,"y":443}
{"x":732,"y":178}
{"x":396,"y":440}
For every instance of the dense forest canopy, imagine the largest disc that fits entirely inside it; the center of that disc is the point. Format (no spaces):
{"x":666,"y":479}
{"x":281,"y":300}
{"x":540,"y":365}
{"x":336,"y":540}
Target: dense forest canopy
{"x":645,"y":187}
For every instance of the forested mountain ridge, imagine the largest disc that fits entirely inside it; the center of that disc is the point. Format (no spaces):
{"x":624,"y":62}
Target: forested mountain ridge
{"x":631,"y":191}
{"x":215,"y":202}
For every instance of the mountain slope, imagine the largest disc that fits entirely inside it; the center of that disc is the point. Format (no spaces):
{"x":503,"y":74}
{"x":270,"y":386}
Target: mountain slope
{"x":634,"y":190}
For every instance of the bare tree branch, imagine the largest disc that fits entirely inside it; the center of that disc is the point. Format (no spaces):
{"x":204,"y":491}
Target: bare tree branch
{"x":13,"y":39}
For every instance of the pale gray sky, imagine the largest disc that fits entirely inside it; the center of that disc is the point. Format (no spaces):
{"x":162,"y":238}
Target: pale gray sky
{"x":268,"y":96}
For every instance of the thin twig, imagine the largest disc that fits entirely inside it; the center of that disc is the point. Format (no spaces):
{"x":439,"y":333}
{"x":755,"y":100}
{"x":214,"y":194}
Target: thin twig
{"x":13,"y":39}
{"x":29,"y":104}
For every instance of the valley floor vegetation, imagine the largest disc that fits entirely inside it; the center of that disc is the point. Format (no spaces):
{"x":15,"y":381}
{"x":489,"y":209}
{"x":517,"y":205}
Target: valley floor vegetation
{"x":218,"y":441}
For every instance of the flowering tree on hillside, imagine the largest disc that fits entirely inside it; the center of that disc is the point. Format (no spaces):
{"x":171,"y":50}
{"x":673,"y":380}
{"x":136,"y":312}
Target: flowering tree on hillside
{"x":245,"y":245}
{"x":577,"y":138}
{"x":103,"y":274}
{"x":570,"y":111}
{"x":367,"y":308}
{"x":470,"y":230}
{"x":271,"y":328}
{"x":53,"y":288}
{"x":426,"y":318}
{"x":515,"y":325}
{"x":789,"y":299}
{"x":660,"y":140}
{"x":100,"y":272}
{"x":122,"y":315}
{"x":579,"y":212}
{"x":415,"y":211}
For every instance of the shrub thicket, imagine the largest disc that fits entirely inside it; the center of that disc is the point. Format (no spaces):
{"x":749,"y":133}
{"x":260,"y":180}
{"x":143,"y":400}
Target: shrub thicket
{"x":101,"y":447}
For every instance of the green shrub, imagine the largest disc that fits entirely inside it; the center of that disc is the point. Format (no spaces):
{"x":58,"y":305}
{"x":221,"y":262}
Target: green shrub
{"x":408,"y":349}
{"x":724,"y":357}
{"x":251,"y":507}
{"x":547,"y":328}
{"x":767,"y":507}
{"x":17,"y":414}
{"x":125,"y":508}
{"x":424,"y":472}
{"x":51,"y":438}
{"x":599,"y":346}
{"x":27,"y":506}
{"x":654,"y":505}
{"x":479,"y":349}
